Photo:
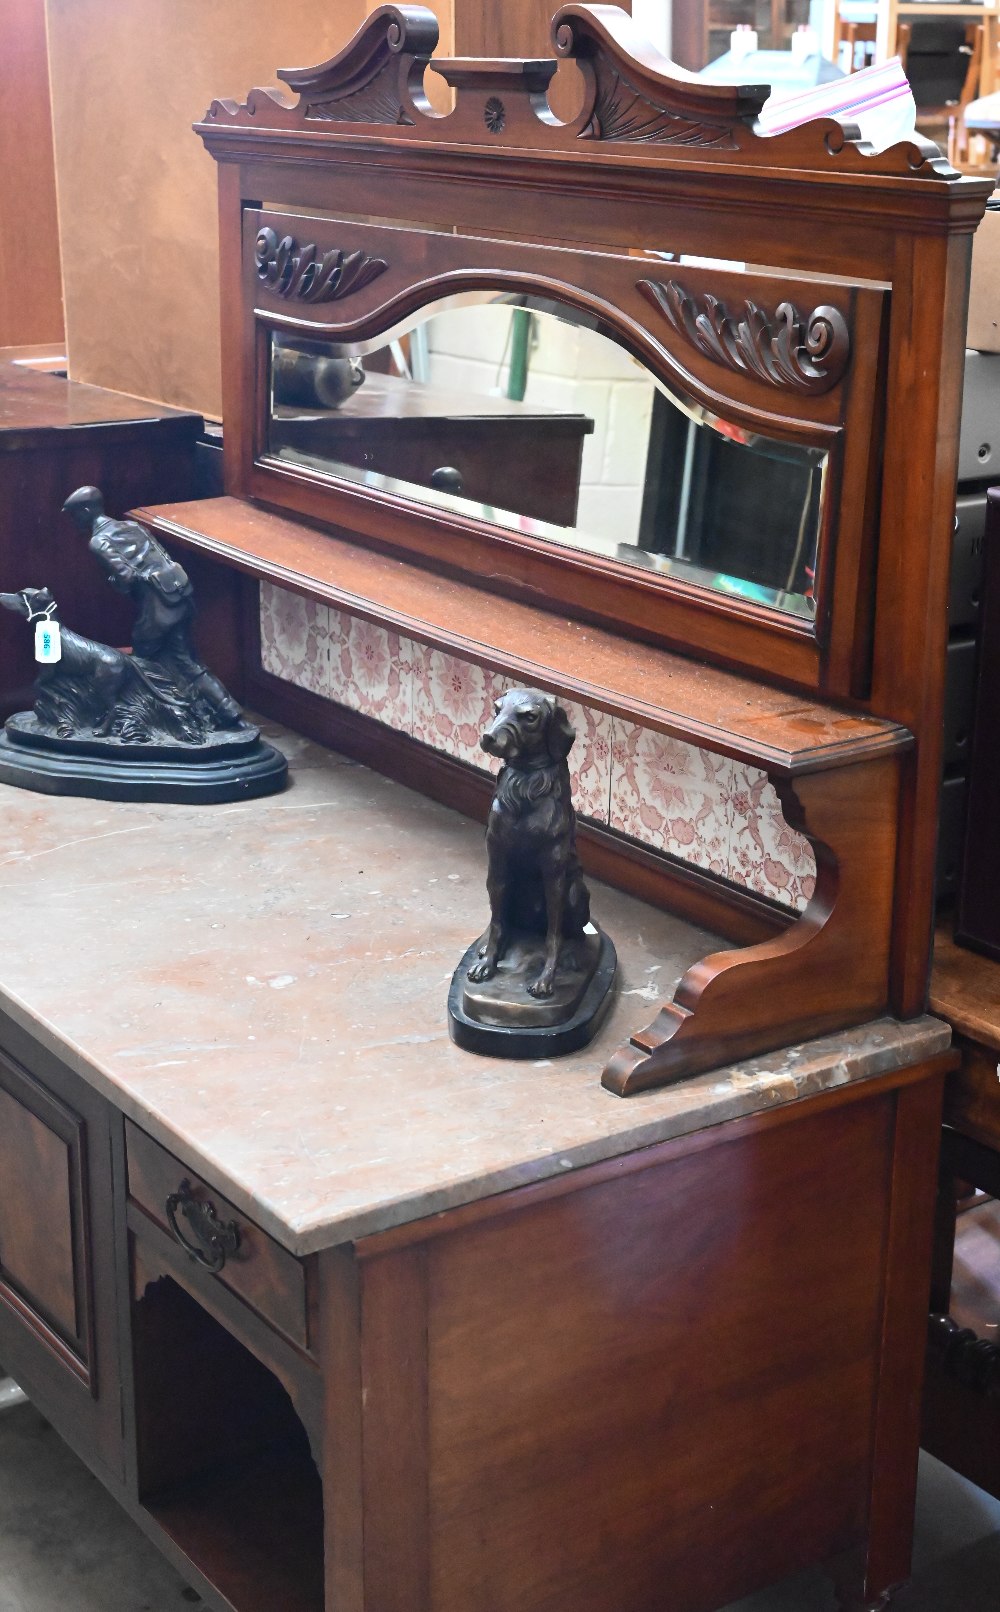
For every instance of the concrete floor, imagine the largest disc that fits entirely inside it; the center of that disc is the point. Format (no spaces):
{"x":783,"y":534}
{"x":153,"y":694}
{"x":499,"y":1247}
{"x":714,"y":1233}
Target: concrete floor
{"x":66,"y":1546}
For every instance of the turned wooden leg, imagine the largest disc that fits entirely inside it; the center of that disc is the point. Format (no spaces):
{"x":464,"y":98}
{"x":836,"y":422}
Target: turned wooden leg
{"x":827,"y":971}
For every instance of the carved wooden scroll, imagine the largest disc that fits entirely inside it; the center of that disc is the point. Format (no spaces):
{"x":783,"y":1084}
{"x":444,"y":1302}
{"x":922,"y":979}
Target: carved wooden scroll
{"x":631,"y":96}
{"x":637,"y":95}
{"x":784,"y":349}
{"x":302,"y":273}
{"x":738,"y":1004}
{"x":376,"y":79}
{"x":370,"y":81}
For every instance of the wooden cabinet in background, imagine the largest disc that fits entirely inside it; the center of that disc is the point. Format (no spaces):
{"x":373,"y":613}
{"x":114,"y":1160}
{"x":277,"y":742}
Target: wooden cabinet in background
{"x":31,"y":310}
{"x":701,"y":28}
{"x":57,"y":435}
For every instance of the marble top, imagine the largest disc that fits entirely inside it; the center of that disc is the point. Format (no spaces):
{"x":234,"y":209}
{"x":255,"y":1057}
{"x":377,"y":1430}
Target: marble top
{"x":263,"y":988}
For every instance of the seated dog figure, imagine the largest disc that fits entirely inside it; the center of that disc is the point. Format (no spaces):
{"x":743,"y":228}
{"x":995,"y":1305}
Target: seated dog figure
{"x":535,"y":883}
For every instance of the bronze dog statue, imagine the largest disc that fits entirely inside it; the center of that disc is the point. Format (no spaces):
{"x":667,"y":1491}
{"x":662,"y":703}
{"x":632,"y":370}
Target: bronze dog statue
{"x":535,"y":882}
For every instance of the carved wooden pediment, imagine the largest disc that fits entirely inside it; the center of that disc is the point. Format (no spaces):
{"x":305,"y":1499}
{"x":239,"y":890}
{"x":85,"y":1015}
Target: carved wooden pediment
{"x":374,"y":80}
{"x":634,"y":94}
{"x":633,"y":97}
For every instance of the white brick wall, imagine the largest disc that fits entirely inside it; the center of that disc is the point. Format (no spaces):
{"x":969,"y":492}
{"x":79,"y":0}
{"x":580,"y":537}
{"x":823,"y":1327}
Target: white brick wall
{"x":572,"y":369}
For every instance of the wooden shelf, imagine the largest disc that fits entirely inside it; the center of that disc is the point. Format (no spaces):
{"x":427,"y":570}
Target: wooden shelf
{"x":254,"y":1529}
{"x":917,"y":9}
{"x":786,"y":734}
{"x":965,"y":990}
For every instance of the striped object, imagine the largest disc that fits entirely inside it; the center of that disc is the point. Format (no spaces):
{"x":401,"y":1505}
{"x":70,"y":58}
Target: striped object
{"x":878,"y":99}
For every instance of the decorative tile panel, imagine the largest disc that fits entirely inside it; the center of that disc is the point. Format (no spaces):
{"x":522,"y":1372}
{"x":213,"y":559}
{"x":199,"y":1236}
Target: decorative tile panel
{"x":295,"y":638}
{"x":671,"y":796}
{"x":692,"y":803}
{"x":371,"y":670}
{"x":765,"y":854}
{"x":452,"y":703}
{"x":590,"y":760}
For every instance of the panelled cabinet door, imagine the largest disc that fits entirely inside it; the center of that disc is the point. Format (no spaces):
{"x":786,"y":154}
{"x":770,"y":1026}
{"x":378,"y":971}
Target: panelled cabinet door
{"x":57,"y":1324}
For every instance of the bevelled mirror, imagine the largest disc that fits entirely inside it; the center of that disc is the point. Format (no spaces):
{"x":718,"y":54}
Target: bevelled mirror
{"x":530,"y":415}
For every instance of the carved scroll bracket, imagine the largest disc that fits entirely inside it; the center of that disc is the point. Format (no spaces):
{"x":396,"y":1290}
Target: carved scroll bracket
{"x":825,"y":972}
{"x":374,"y":79}
{"x":635,"y":94}
{"x":785,"y":349}
{"x":300,"y":274}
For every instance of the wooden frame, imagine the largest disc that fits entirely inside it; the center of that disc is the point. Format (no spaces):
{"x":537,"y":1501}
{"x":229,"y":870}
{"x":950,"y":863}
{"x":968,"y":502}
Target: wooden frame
{"x":345,"y":209}
{"x":830,"y":407}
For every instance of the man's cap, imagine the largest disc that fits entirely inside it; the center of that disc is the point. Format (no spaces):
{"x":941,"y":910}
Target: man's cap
{"x":89,"y":500}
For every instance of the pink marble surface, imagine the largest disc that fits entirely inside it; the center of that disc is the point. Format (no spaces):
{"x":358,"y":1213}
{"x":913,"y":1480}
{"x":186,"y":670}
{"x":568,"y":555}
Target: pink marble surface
{"x":262,"y":986}
{"x":673,"y":796}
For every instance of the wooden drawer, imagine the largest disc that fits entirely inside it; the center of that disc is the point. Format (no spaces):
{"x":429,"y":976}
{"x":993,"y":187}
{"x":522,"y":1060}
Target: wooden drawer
{"x":260,"y":1272}
{"x":547,"y":453}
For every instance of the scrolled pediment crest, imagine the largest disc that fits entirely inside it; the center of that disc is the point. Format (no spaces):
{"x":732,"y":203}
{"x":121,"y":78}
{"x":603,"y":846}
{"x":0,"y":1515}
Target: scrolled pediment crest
{"x":634,"y":96}
{"x":795,"y":352}
{"x":374,"y":79}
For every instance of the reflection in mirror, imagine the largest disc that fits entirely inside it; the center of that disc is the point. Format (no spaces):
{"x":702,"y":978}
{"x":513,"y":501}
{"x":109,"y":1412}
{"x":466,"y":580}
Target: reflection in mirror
{"x":524,"y":413}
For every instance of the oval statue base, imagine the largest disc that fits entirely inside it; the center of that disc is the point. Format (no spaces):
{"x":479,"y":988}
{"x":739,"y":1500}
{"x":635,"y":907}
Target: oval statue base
{"x":251,"y":769}
{"x":514,"y":1024}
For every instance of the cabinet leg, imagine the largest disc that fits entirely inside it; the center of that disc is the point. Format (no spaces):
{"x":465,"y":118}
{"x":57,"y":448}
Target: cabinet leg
{"x":848,"y":1576}
{"x":853,"y":1600}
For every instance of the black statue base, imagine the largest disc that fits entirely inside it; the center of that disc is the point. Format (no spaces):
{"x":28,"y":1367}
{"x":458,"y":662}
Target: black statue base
{"x":232,"y":765}
{"x":500,"y":1018}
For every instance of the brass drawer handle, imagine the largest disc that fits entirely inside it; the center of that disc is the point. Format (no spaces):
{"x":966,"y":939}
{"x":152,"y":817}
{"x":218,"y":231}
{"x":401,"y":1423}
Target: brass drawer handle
{"x":215,"y":1242}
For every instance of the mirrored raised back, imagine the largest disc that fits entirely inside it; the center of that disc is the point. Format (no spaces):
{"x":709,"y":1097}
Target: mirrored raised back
{"x":528,"y":414}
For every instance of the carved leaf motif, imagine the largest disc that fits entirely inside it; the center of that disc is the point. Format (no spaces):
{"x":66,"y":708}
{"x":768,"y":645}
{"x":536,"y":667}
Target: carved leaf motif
{"x":377,"y":102}
{"x":369,"y":81}
{"x":783,"y":349}
{"x":637,"y":95}
{"x":297,"y":272}
{"x":622,"y":112}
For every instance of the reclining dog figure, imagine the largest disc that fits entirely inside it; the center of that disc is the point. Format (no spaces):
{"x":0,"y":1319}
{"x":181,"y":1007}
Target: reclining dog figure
{"x":95,"y":691}
{"x":535,"y":882}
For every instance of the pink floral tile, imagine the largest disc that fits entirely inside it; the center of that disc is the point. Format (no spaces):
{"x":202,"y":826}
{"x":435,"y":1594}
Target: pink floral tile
{"x":672,"y":796}
{"x":371,"y":670}
{"x":590,"y":760}
{"x":452,"y":703}
{"x":765,"y":854}
{"x":295,"y":638}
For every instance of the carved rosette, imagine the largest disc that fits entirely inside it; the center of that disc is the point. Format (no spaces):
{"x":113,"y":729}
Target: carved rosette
{"x":784,"y":349}
{"x":301,"y":274}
